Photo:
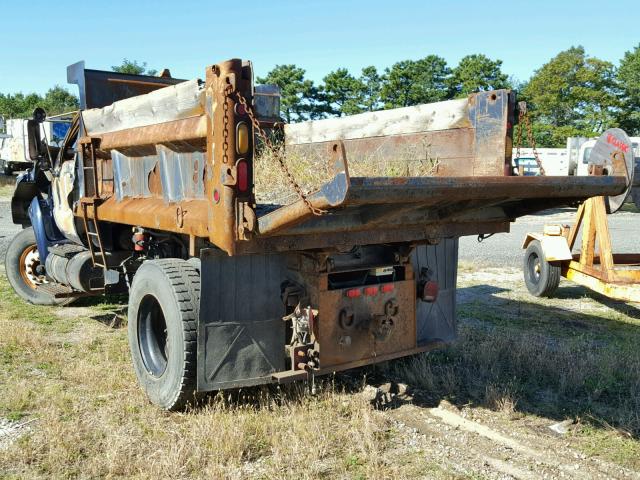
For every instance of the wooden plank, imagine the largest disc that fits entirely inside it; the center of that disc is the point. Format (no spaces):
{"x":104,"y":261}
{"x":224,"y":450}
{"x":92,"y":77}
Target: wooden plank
{"x":588,"y":235}
{"x":164,"y":105}
{"x":584,"y":269}
{"x":573,"y":233}
{"x":420,"y":118}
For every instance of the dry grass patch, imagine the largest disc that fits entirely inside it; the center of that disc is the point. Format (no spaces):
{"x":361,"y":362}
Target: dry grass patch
{"x":7,"y":186}
{"x":546,"y":359}
{"x":91,"y":420}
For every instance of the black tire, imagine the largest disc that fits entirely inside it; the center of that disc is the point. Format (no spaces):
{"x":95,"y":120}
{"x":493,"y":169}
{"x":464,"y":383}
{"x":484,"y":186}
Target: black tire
{"x":20,"y":262}
{"x":541,"y":277}
{"x":164,"y":304}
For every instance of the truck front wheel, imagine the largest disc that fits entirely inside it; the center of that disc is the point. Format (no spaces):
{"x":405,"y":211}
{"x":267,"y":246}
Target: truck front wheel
{"x":541,"y":277}
{"x":24,"y":270}
{"x":163,"y":312}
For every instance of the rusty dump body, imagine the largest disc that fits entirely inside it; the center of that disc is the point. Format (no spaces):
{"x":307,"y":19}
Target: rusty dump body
{"x":285,"y":292}
{"x":469,"y":194}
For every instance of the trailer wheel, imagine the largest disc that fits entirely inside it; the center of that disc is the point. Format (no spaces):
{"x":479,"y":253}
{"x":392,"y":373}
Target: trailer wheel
{"x":164,"y":304}
{"x":541,"y":277}
{"x":22,"y":264}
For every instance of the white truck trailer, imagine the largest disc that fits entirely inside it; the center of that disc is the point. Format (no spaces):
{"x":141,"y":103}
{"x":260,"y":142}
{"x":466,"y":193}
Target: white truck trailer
{"x":14,"y":151}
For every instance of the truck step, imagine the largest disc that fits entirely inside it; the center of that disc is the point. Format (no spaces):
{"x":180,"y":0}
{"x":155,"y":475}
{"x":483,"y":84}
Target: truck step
{"x":66,"y":250}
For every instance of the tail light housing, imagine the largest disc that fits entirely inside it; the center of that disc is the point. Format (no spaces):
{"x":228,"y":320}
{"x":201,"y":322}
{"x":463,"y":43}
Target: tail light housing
{"x":242,"y":172}
{"x":428,"y":291}
{"x":242,"y":138}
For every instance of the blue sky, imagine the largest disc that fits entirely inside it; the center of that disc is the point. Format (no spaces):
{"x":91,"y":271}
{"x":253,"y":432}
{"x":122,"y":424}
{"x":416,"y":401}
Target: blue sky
{"x":40,"y":38}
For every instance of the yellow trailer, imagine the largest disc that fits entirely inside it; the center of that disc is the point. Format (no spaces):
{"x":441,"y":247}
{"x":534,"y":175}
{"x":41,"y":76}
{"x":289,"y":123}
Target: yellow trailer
{"x":549,"y":256}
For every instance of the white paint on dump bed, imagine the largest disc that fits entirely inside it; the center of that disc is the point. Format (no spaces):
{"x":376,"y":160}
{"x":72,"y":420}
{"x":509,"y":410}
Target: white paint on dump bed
{"x":167,"y":104}
{"x":399,"y":121}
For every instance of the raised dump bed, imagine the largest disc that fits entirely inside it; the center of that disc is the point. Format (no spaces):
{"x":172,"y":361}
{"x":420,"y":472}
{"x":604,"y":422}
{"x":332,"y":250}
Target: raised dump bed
{"x":158,"y":192}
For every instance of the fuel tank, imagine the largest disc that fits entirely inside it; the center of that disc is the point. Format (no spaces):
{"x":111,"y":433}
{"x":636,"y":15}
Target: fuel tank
{"x":72,"y":265}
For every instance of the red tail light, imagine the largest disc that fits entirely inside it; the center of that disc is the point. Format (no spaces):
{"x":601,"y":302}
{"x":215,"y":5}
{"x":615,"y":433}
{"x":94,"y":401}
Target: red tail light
{"x":242,"y":171}
{"x":353,"y":293}
{"x":371,"y":291}
{"x":429,"y":292}
{"x":387,"y":288}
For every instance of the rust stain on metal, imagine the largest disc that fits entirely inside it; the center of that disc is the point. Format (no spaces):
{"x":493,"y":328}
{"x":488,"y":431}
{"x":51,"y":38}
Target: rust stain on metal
{"x":180,"y":130}
{"x":373,"y":324}
{"x":154,"y":182}
{"x":155,"y":213}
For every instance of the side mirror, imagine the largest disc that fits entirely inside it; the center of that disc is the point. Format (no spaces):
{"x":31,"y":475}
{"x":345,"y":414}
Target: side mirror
{"x":39,"y":115}
{"x":34,"y":139}
{"x":33,"y":134}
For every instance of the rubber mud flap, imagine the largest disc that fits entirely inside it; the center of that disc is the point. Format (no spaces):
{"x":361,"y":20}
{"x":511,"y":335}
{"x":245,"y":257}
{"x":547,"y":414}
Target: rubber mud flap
{"x":436,"y":321}
{"x":241,"y":335}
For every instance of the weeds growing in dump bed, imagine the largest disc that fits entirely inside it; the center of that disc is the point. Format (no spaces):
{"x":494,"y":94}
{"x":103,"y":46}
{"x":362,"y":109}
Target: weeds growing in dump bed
{"x":309,"y":167}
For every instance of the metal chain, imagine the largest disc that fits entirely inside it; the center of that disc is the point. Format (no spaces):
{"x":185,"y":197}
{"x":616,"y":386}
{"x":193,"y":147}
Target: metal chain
{"x":519,"y":135}
{"x":225,"y":132}
{"x":277,"y":152}
{"x":523,"y":117}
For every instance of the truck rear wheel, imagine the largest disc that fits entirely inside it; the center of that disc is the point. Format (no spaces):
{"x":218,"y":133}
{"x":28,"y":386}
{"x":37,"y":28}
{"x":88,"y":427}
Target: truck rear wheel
{"x":164,"y":305}
{"x":541,"y":277}
{"x":24,"y":272}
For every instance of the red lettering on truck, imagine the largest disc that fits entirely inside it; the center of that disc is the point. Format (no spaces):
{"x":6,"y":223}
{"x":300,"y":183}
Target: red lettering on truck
{"x":616,"y":142}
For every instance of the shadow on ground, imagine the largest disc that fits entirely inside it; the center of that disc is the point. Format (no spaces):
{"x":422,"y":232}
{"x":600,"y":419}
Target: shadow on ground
{"x":575,"y":292}
{"x":111,"y":310}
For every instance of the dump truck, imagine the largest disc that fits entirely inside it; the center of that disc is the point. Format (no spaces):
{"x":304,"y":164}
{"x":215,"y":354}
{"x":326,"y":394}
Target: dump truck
{"x":154,"y":193}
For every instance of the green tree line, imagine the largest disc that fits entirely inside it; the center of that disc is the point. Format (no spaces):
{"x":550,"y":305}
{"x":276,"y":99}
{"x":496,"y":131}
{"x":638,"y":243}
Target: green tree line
{"x":57,"y":100}
{"x":573,"y":94}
